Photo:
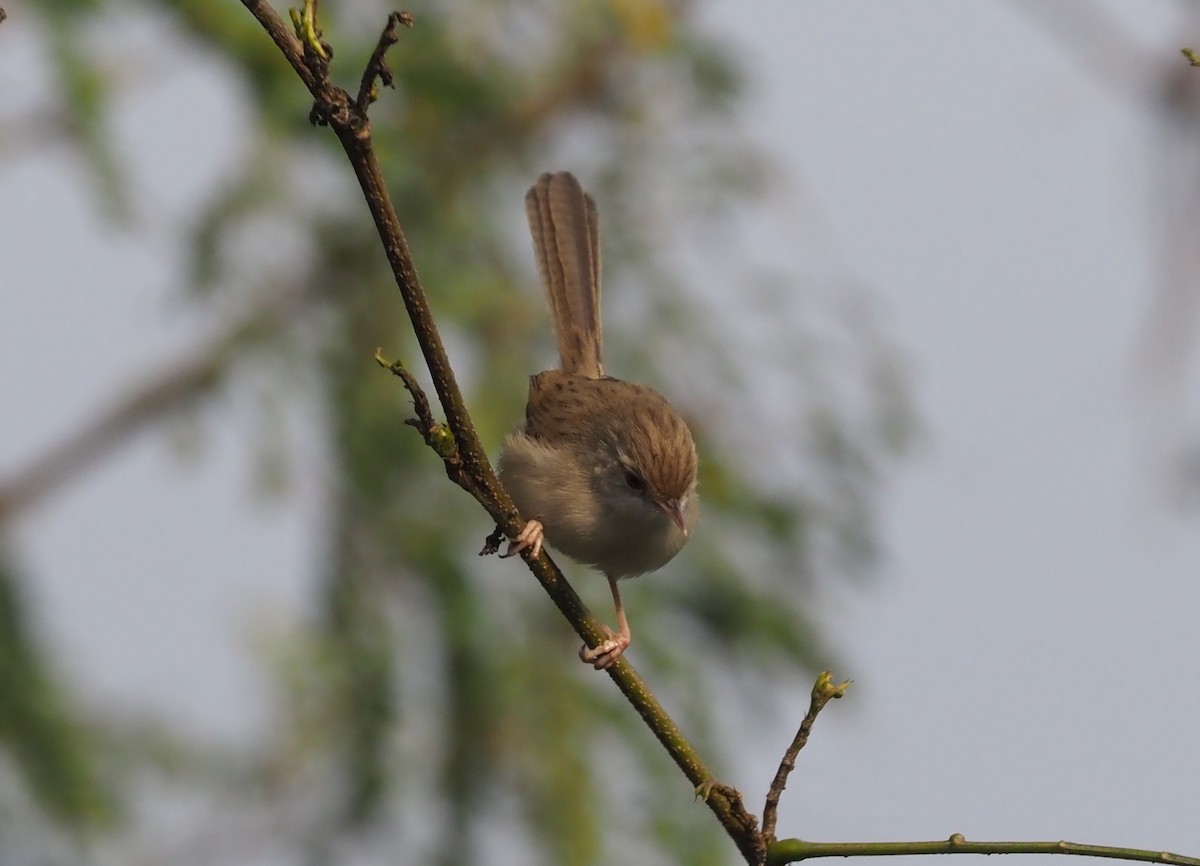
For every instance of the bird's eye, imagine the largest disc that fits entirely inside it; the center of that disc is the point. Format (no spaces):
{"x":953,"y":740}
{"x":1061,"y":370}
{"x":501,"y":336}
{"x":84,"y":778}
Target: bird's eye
{"x":634,"y":480}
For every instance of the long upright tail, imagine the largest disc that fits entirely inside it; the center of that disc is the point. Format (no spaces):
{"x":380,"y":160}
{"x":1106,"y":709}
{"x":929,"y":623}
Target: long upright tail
{"x":562,"y":219}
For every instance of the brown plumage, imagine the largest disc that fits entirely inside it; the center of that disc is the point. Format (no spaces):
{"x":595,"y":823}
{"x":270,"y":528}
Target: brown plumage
{"x":636,"y":420}
{"x":604,"y":470}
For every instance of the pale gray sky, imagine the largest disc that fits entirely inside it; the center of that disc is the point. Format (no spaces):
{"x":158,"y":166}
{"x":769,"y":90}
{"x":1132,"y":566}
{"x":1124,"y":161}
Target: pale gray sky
{"x":1026,"y":665}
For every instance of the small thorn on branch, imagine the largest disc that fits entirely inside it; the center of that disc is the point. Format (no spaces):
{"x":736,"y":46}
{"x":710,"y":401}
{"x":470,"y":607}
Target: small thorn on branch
{"x":492,"y":543}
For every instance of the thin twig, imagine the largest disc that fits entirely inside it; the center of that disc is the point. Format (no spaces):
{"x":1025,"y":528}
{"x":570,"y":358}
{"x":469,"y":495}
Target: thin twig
{"x":377,"y":66}
{"x":824,"y":691}
{"x":437,"y":436}
{"x":795,"y":850}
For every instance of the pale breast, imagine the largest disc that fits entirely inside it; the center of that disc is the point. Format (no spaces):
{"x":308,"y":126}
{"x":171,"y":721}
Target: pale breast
{"x":548,"y":483}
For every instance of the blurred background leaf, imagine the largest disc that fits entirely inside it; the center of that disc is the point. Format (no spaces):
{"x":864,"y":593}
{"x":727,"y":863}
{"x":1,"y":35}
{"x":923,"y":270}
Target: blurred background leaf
{"x":41,"y":730}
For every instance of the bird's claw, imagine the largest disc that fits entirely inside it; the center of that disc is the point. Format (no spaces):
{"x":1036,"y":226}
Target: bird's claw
{"x":607,"y":652}
{"x":530,"y":537}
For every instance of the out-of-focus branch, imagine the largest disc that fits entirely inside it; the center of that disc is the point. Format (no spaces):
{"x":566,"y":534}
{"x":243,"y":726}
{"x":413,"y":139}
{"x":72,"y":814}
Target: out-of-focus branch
{"x":31,"y":133}
{"x":1109,"y":53}
{"x":1155,"y":81}
{"x":175,"y":385}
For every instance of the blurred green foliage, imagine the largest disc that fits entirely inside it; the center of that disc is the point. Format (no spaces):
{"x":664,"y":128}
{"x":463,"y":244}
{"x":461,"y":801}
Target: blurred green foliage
{"x":38,"y":724}
{"x":435,"y":708}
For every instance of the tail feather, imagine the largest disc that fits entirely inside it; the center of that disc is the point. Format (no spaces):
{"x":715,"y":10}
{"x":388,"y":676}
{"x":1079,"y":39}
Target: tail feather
{"x":566,"y":241}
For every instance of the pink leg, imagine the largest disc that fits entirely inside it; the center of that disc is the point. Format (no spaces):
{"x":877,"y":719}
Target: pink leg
{"x":531,"y":536}
{"x":611,"y":649}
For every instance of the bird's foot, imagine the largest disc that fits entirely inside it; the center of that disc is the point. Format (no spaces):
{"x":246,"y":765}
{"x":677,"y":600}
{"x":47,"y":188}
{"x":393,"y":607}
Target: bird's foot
{"x":531,"y":537}
{"x":608,"y":651}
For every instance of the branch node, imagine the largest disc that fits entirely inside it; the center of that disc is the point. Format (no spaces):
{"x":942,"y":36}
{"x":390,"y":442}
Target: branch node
{"x":319,"y":114}
{"x":747,"y":823}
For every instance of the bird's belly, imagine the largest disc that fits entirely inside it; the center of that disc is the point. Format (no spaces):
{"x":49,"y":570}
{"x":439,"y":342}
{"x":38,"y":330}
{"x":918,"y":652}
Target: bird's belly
{"x":550,"y":487}
{"x":622,"y":548}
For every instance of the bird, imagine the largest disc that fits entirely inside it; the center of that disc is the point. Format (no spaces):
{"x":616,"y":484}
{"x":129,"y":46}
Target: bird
{"x":603,"y":470}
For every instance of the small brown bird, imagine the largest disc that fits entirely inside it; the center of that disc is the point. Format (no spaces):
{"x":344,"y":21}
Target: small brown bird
{"x":604,"y":470}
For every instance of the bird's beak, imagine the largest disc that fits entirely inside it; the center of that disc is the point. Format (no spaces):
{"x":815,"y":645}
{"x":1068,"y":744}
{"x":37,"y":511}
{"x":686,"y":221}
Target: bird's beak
{"x":674,"y":509}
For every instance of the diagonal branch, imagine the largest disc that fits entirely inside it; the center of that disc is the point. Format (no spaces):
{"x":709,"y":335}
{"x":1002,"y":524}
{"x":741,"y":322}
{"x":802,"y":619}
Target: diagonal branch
{"x":347,"y":118}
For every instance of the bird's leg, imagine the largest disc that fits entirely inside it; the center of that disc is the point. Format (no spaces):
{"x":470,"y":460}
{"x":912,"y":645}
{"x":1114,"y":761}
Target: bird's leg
{"x":611,"y":649}
{"x":531,"y":536}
